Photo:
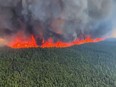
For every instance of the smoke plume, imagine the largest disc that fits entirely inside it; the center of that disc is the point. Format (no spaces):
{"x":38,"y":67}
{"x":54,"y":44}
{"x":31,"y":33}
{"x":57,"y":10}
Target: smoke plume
{"x":64,"y":20}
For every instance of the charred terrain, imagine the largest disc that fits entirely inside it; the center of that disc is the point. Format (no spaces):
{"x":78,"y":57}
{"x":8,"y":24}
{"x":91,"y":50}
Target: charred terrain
{"x":88,"y":65}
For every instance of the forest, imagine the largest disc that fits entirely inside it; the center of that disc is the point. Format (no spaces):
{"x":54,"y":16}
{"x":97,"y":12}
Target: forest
{"x":88,"y":65}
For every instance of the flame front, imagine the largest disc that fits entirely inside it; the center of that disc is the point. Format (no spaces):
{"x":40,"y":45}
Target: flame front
{"x":20,"y":42}
{"x":30,"y":42}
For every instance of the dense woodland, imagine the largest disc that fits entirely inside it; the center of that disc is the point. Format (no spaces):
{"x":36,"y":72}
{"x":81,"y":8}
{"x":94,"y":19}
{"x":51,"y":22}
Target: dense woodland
{"x":88,"y":65}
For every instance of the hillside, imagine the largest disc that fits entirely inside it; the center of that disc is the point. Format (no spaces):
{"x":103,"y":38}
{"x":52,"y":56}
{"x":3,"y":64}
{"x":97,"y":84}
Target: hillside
{"x":89,"y":65}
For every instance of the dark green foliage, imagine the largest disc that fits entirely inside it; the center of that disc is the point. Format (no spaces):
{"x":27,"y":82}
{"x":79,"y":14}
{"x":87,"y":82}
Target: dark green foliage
{"x":89,"y":65}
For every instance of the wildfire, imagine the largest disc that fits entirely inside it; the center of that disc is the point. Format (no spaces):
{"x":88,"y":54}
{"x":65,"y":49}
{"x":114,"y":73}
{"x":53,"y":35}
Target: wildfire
{"x":20,"y":42}
{"x":30,"y":42}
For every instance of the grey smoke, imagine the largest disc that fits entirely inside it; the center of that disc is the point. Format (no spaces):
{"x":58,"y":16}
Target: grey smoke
{"x":62,"y":20}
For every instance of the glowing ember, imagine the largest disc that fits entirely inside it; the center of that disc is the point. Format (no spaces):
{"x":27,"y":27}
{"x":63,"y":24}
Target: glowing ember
{"x":21,"y":42}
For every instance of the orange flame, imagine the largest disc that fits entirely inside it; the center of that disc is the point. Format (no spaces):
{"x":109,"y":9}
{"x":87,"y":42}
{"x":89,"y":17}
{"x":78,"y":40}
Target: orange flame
{"x":30,"y":42}
{"x":59,"y":44}
{"x":20,"y":42}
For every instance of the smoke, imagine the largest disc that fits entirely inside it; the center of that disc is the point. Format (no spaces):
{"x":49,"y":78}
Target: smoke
{"x":64,"y":20}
